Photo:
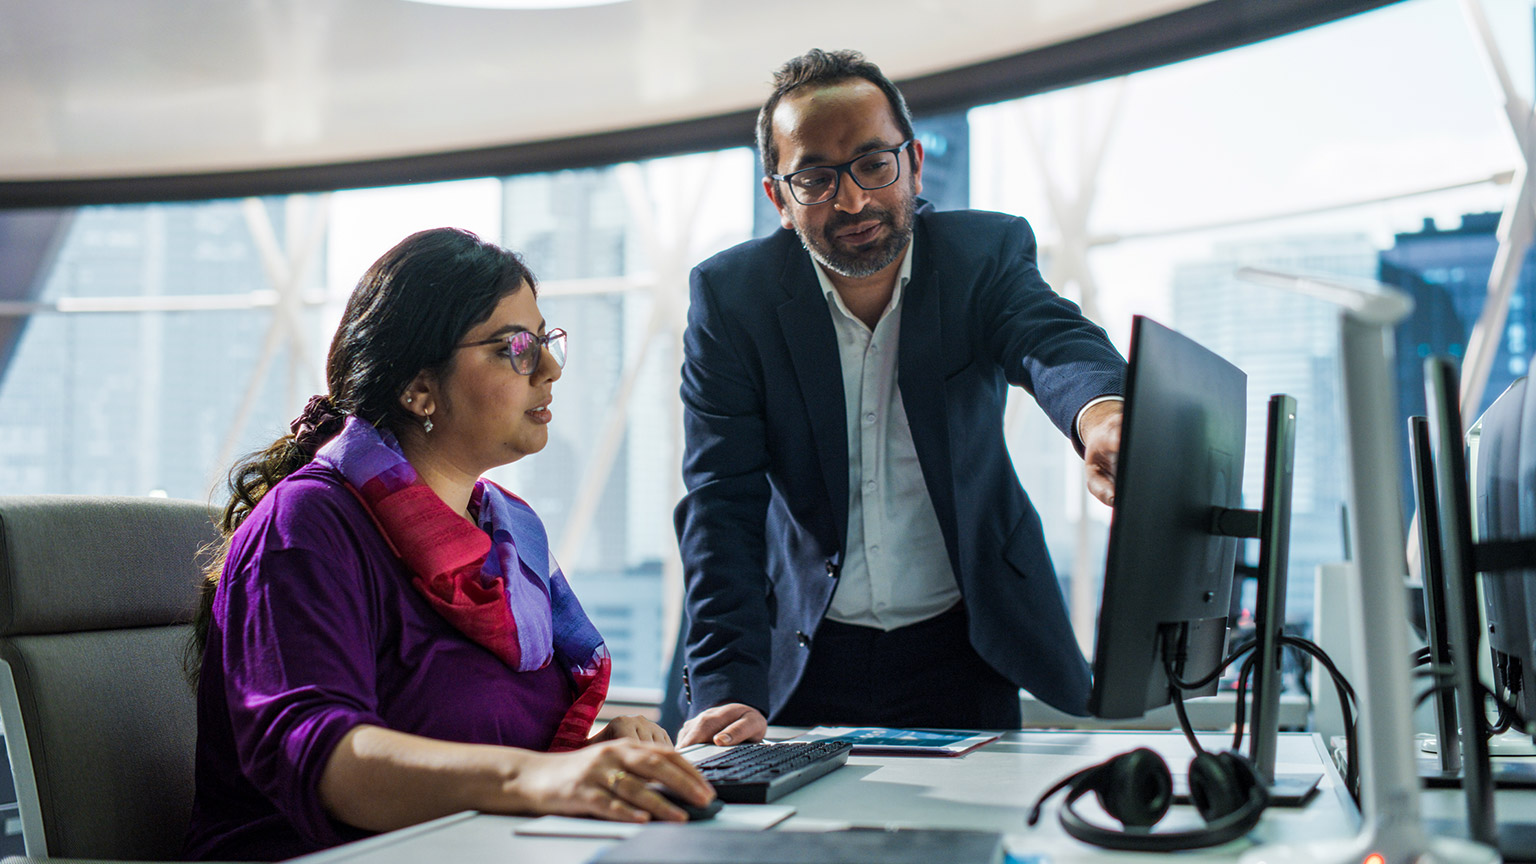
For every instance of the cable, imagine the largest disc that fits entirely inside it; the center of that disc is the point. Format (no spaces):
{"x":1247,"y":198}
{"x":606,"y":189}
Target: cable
{"x":1347,"y":702}
{"x":1178,"y":700}
{"x":1244,"y":647}
{"x":1240,"y":722}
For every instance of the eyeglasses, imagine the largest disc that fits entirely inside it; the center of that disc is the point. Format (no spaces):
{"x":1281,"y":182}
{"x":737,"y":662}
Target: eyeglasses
{"x":876,"y":169}
{"x":525,"y":348}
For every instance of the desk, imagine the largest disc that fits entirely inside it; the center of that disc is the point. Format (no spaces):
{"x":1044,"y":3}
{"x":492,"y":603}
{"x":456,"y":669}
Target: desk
{"x":990,"y":789}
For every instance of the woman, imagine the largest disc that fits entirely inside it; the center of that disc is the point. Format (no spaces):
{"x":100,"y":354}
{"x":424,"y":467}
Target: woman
{"x":385,"y":638}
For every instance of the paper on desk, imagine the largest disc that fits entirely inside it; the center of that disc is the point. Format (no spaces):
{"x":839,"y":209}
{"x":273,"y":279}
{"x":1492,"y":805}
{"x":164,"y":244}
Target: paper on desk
{"x":741,"y":817}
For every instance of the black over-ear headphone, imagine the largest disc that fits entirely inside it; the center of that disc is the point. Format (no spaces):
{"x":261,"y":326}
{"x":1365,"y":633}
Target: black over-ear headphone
{"x":1137,"y":789}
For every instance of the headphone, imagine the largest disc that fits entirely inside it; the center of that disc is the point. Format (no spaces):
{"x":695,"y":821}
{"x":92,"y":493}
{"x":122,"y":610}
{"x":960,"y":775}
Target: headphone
{"x":1136,"y":788}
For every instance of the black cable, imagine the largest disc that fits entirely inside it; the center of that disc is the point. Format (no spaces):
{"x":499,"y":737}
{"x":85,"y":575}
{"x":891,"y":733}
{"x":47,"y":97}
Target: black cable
{"x":1242,"y":648}
{"x":1178,"y":698}
{"x":1347,"y":701}
{"x":1240,"y":722}
{"x":1430,"y":691}
{"x":1322,"y":657}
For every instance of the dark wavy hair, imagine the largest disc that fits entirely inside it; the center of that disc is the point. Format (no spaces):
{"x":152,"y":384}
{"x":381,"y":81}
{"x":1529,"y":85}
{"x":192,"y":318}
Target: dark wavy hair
{"x":818,"y":68}
{"x":406,"y":316}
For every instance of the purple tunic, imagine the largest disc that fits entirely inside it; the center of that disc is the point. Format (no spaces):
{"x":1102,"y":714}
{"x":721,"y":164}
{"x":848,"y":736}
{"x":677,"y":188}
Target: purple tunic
{"x":317,"y":629}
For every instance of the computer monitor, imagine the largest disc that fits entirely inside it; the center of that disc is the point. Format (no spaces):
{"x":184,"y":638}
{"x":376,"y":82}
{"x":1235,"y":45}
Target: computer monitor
{"x":1168,"y":572}
{"x":1505,"y":499}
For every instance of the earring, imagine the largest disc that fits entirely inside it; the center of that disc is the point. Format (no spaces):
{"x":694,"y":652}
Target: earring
{"x":426,"y":423}
{"x":408,"y":400}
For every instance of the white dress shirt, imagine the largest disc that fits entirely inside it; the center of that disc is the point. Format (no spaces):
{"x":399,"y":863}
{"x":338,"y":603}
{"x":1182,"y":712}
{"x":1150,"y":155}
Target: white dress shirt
{"x":895,"y":569}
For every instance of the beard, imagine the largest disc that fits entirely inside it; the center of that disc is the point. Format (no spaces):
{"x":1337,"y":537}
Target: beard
{"x":858,"y":262}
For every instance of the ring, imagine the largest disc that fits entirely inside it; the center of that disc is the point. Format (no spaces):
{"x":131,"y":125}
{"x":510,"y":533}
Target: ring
{"x":614,"y":777}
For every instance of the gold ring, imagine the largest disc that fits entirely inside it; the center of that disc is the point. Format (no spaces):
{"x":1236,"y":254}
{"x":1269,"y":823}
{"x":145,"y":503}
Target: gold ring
{"x":614,"y":777}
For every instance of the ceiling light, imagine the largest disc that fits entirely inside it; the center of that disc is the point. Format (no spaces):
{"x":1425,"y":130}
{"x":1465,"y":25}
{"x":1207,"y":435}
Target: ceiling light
{"x":521,"y":4}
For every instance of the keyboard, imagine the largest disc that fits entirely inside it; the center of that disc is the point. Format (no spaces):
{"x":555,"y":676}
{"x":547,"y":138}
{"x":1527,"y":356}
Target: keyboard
{"x":759,"y":773}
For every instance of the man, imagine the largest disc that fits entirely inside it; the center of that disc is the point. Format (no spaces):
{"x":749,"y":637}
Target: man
{"x":857,"y":548}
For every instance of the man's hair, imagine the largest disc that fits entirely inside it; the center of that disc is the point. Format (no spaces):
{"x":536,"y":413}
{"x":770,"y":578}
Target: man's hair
{"x":818,"y":68}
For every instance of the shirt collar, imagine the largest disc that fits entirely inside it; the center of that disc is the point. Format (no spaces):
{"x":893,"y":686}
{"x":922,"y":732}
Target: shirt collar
{"x":903,"y":276}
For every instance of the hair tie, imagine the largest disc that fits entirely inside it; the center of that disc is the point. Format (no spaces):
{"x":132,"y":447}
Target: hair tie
{"x":316,"y":424}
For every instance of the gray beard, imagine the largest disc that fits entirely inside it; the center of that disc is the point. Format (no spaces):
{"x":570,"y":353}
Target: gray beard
{"x":869,"y":261}
{"x":866,"y":263}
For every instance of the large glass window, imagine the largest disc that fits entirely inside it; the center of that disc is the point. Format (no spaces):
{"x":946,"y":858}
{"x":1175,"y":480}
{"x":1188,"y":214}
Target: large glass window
{"x":167,"y":339}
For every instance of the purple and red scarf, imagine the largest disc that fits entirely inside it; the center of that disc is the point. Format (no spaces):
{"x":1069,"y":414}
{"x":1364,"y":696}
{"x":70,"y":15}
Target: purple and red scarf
{"x":498,"y":583}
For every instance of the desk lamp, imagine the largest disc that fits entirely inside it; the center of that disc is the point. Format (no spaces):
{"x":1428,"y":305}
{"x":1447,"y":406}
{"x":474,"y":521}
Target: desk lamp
{"x":1391,"y":829}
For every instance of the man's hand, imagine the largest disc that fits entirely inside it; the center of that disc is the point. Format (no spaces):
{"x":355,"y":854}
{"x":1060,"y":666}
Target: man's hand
{"x":1100,"y":430}
{"x":732,"y":723}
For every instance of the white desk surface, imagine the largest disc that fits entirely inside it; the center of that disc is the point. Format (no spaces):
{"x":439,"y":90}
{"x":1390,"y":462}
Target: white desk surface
{"x":991,"y":788}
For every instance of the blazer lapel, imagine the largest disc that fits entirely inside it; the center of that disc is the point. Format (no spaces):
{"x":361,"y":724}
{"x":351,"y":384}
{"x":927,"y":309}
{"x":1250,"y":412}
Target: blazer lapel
{"x":812,"y":342}
{"x":920,"y":377}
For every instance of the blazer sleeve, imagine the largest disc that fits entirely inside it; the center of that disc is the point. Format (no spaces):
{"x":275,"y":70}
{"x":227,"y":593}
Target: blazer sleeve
{"x":1042,"y":341}
{"x":720,"y":521}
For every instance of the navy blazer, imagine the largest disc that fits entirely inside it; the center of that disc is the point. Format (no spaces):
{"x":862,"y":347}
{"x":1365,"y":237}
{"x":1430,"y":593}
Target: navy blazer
{"x":765,"y":519}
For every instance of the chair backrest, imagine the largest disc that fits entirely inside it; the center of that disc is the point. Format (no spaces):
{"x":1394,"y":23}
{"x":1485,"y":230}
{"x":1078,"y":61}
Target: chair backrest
{"x":96,"y":599}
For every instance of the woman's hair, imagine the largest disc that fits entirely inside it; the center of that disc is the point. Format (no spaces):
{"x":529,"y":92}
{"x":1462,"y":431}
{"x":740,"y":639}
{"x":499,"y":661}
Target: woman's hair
{"x":406,"y":316}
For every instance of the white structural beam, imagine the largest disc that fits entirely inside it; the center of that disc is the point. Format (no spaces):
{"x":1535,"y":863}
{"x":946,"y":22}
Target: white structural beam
{"x":1071,"y":210}
{"x":285,"y":273}
{"x":1517,"y":225}
{"x":667,"y":239}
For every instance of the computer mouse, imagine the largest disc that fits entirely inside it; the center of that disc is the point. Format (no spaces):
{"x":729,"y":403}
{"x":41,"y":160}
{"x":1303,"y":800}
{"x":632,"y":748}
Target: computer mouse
{"x":695,"y":812}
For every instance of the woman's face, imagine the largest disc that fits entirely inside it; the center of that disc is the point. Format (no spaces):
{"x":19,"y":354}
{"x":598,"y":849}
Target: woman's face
{"x":487,"y":414}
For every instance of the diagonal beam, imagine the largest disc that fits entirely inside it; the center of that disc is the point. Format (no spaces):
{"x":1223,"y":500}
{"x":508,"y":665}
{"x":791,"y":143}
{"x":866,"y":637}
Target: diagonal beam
{"x":1517,"y":224}
{"x":1071,"y":212}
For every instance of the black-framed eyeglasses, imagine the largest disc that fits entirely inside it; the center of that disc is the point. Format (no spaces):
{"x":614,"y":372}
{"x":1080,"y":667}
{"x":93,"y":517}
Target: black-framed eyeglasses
{"x":876,"y":169}
{"x":525,"y":348}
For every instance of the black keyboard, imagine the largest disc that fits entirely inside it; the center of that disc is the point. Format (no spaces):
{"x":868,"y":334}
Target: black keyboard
{"x":759,"y":773}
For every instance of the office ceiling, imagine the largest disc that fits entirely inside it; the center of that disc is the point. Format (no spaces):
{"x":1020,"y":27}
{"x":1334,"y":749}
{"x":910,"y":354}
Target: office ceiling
{"x":233,"y":95}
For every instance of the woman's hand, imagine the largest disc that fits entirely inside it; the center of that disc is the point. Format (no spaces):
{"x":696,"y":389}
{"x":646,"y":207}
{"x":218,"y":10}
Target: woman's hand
{"x":610,"y":780}
{"x":637,"y":728}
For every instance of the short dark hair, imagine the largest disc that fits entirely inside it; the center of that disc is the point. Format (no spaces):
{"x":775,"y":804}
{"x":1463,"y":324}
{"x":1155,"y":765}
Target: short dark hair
{"x":819,"y":68}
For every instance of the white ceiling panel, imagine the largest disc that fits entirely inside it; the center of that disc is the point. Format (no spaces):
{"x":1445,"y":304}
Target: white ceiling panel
{"x":93,"y":89}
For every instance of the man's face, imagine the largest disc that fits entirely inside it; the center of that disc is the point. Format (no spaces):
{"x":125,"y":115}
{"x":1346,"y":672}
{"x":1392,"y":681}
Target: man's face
{"x":859,"y":232}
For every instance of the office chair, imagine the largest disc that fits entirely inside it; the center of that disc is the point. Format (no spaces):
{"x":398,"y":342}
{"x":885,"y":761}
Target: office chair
{"x":96,"y":599}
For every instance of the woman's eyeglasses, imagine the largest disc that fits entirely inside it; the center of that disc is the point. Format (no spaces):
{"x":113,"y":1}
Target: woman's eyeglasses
{"x":525,"y":348}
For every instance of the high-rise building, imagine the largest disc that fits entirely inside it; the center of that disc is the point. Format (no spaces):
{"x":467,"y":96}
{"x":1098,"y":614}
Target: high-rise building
{"x":573,"y":225}
{"x":1286,"y":343}
{"x":138,"y":401}
{"x":1446,"y":271}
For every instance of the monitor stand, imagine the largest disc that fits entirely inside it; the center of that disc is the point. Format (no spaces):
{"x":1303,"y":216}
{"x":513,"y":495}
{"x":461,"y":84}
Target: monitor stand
{"x":1511,"y":773}
{"x":1271,"y":525}
{"x":1509,"y":743}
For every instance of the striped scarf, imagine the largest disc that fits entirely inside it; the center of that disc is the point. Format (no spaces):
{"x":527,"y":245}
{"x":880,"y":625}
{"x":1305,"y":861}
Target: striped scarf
{"x":498,"y":584}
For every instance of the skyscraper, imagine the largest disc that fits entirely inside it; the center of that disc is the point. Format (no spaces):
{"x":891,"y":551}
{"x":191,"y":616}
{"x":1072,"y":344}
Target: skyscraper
{"x":1286,"y":343}
{"x":136,"y":401}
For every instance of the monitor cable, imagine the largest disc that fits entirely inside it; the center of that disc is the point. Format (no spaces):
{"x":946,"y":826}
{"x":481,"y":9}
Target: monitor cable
{"x":1348,"y":702}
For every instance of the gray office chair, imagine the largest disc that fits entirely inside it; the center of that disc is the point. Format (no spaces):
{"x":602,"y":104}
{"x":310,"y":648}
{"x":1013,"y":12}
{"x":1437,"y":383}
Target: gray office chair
{"x":96,"y":599}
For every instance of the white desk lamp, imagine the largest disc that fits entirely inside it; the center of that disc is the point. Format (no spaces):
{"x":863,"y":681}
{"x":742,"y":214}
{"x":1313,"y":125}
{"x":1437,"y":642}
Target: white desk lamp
{"x":1391,"y":829}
